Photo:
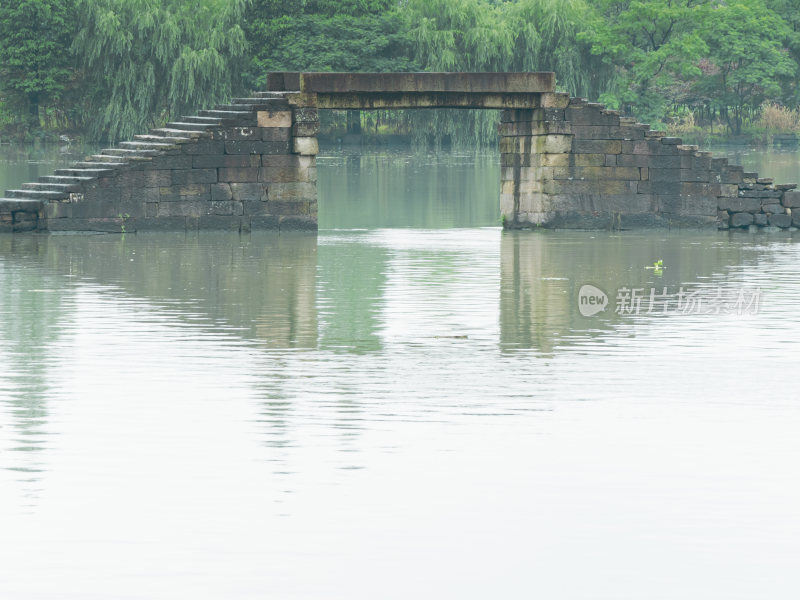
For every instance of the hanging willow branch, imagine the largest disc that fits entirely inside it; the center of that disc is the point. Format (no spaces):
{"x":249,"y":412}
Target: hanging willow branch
{"x":148,"y":60}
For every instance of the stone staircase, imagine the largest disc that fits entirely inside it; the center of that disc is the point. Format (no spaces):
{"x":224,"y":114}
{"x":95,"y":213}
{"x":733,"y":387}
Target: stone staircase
{"x":20,"y":208}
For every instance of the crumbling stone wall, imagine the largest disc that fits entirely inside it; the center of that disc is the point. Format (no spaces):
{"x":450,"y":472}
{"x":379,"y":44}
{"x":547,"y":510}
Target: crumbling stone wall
{"x":575,"y":164}
{"x":239,"y":167}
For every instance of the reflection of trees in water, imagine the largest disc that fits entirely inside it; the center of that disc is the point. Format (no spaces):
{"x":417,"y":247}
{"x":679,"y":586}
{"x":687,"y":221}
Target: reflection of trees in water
{"x":260,"y":287}
{"x":393,"y":189}
{"x":31,"y":320}
{"x":542,"y":272}
{"x":352,"y":277}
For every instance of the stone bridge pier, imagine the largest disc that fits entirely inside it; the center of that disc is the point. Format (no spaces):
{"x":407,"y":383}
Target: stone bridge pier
{"x":251,"y":164}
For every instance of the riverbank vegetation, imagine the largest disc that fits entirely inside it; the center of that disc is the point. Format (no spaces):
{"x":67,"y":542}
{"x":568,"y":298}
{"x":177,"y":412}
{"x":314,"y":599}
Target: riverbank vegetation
{"x":106,"y":69}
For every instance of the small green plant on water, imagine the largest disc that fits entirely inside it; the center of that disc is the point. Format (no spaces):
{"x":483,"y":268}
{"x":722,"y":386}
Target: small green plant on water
{"x":124,"y":218}
{"x":658,"y":267}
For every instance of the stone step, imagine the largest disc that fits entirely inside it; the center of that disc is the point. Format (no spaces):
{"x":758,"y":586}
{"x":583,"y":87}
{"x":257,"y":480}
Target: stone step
{"x":187,"y":126}
{"x":15,"y":204}
{"x":99,"y":164}
{"x":142,"y":145}
{"x":259,"y":106}
{"x":281,"y":94}
{"x":105,"y":159}
{"x":128,"y":153}
{"x":210,"y":121}
{"x":225,"y":114}
{"x":64,"y":179}
{"x":177,"y":133}
{"x":166,"y":139}
{"x":52,"y":187}
{"x":261,"y":101}
{"x":83,"y":172}
{"x":36,"y":194}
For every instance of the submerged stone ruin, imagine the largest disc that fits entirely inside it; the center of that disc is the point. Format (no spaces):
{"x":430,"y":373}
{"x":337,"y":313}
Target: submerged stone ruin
{"x":250,"y":164}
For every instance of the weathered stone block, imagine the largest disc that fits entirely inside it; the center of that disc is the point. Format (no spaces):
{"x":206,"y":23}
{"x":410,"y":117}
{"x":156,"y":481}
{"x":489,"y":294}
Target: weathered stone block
{"x":305,"y":145}
{"x":194,"y":176}
{"x":697,"y":175}
{"x":527,"y":128}
{"x":242,"y":147}
{"x":223,"y":208}
{"x":226,"y":160}
{"x":241,"y":133}
{"x":309,"y":129}
{"x":239,"y":175}
{"x":671,"y":175}
{"x":156,"y":179}
{"x":249,"y":192}
{"x":288,"y":160}
{"x":105,"y":225}
{"x":275,"y":134}
{"x":175,"y":161}
{"x":287,"y":174}
{"x":588,"y":160}
{"x":780,"y":220}
{"x":552,"y":144}
{"x":728,"y":189}
{"x":265,"y":223}
{"x":214,"y":223}
{"x":596,"y":173}
{"x":750,"y":205}
{"x":204,"y":147}
{"x":791,"y":199}
{"x":274,"y":118}
{"x":723,"y":219}
{"x":292,"y":192}
{"x":151,"y":210}
{"x":775,"y":209}
{"x":595,"y":132}
{"x":255,"y":207}
{"x":760,"y":219}
{"x":184,"y":208}
{"x":671,"y":141}
{"x":554,"y":100}
{"x":221,"y":192}
{"x":741,"y":219}
{"x":596,"y":146}
{"x":178,"y":193}
{"x":582,"y":115}
{"x":629,"y":133}
{"x":304,"y":208}
{"x":669,"y":188}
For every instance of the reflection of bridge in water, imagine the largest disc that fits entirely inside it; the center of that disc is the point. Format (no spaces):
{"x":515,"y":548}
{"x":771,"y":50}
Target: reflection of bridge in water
{"x":294,"y":299}
{"x":251,"y":164}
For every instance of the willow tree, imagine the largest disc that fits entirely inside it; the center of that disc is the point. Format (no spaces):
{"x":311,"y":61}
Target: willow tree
{"x":458,"y":35}
{"x":35,"y":65}
{"x":147,"y":61}
{"x":518,"y":35}
{"x":547,"y":36}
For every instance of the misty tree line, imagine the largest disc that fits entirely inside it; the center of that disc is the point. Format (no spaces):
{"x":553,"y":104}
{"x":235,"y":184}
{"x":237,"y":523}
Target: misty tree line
{"x":113,"y":68}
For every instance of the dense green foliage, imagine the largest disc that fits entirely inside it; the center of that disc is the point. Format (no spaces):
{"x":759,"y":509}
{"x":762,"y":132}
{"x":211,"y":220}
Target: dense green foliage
{"x":34,"y":54}
{"x":110,"y":68}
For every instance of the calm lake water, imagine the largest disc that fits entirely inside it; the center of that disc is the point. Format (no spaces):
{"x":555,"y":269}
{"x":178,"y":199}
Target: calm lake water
{"x":410,"y":405}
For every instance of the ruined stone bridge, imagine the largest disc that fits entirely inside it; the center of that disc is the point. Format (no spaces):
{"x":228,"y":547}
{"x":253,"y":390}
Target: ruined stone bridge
{"x":250,"y":164}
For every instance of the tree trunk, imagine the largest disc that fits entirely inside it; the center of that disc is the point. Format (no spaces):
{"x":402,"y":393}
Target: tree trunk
{"x":354,"y":121}
{"x":33,"y":110}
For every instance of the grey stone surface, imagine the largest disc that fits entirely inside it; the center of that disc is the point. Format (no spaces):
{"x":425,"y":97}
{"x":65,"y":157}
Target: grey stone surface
{"x":741,"y":219}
